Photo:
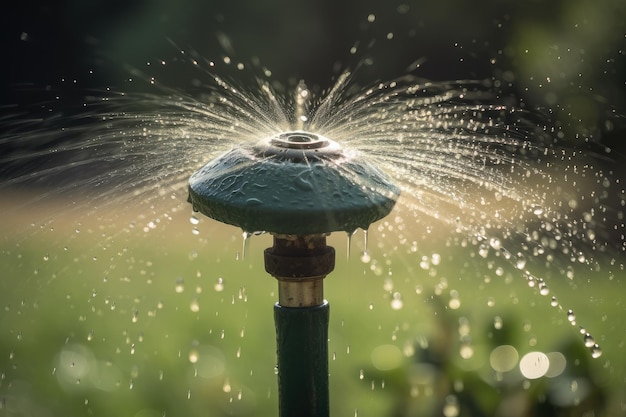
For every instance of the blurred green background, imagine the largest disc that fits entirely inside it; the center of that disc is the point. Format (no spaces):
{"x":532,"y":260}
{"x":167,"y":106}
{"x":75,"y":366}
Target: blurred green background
{"x":129,"y":312}
{"x":134,"y":313}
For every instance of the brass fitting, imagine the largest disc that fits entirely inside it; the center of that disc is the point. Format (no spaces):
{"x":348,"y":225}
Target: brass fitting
{"x":300,"y":264}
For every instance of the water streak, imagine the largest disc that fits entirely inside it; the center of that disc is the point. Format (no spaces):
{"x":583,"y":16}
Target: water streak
{"x":483,"y":173}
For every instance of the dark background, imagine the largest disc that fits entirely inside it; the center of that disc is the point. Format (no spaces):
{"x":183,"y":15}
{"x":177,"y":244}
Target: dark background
{"x":567,"y":57}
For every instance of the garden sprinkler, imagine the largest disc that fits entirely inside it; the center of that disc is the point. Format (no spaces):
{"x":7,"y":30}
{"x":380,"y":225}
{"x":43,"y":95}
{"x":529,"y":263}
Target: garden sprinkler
{"x":300,"y":187}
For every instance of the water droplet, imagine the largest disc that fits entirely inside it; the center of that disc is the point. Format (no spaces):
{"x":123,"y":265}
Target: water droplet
{"x":219,"y":285}
{"x":361,"y":374}
{"x":571,"y":317}
{"x":365,"y":257}
{"x":451,"y":406}
{"x":396,"y":301}
{"x":455,"y":302}
{"x":534,"y":365}
{"x":466,"y":350}
{"x":349,"y":243}
{"x":495,"y":243}
{"x":589,"y":340}
{"x":253,"y":202}
{"x":194,"y":306}
{"x":365,"y":240}
{"x":242,"y":294}
{"x":596,"y":352}
{"x":245,"y":244}
{"x":302,"y":182}
{"x":180,"y":285}
{"x":503,"y":358}
{"x":226,"y":387}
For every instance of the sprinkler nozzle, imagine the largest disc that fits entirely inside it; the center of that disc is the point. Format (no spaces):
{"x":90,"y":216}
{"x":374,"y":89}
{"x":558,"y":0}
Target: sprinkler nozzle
{"x":300,"y":140}
{"x":300,"y":186}
{"x":293,"y":183}
{"x":298,"y":147}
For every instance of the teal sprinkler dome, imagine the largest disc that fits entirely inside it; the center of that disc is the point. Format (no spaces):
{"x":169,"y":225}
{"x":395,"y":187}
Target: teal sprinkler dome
{"x":293,"y":183}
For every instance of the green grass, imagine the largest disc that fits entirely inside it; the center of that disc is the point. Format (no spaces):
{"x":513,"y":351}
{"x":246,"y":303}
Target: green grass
{"x":97,"y":323}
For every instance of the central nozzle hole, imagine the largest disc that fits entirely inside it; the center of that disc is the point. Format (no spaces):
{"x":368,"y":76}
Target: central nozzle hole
{"x":299,"y":140}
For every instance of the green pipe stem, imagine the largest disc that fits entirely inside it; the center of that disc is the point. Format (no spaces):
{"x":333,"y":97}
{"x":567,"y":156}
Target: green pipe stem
{"x":302,"y":348}
{"x":300,"y":264}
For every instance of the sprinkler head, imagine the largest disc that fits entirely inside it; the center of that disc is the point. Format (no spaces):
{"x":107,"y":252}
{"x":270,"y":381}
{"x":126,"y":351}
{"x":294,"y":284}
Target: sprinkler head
{"x":293,"y":183}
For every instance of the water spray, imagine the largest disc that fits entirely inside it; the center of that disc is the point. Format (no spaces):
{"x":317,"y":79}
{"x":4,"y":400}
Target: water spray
{"x":300,"y":187}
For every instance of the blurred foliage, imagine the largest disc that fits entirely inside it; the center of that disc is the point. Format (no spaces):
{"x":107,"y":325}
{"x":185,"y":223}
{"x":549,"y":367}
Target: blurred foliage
{"x":568,"y":57}
{"x":142,"y":324}
{"x":436,"y":384}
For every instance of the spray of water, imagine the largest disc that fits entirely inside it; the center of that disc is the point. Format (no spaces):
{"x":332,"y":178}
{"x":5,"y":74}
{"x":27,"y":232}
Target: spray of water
{"x":481,"y":174}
